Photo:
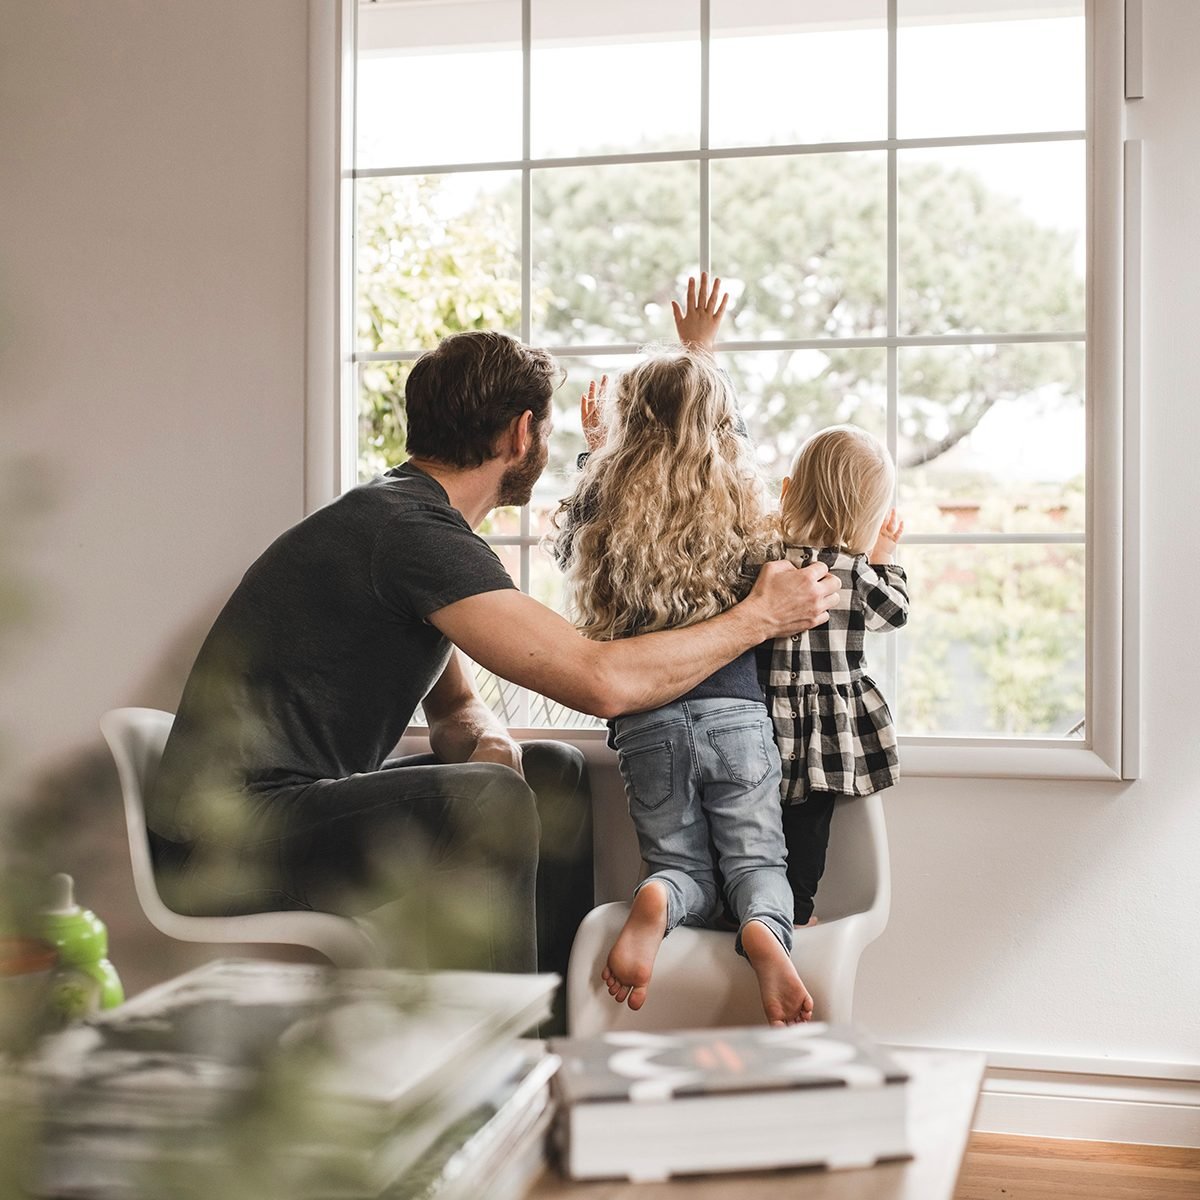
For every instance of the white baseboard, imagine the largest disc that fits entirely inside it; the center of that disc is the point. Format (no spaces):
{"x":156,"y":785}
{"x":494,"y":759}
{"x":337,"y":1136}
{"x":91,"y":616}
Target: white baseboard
{"x":1100,"y":1100}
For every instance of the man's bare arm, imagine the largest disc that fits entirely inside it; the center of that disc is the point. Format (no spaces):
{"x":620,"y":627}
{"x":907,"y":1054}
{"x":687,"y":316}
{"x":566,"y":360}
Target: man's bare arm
{"x":461,"y":726}
{"x":521,"y":640}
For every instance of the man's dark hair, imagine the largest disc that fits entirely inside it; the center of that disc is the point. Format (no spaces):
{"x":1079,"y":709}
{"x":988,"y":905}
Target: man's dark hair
{"x":462,"y":395}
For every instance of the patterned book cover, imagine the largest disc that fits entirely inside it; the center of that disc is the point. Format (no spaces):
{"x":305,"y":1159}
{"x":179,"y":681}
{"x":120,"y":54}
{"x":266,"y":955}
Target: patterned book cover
{"x":633,"y":1066}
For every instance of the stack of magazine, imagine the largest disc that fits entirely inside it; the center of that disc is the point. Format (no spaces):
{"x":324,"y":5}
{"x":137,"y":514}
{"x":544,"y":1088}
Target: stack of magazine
{"x":321,"y":1083}
{"x":647,"y":1106}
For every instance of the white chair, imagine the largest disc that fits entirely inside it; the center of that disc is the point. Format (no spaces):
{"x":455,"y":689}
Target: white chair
{"x":699,"y":982}
{"x":136,"y":737}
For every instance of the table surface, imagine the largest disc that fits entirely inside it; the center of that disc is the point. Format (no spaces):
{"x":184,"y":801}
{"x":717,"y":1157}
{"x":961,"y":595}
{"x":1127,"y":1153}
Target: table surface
{"x":943,"y":1092}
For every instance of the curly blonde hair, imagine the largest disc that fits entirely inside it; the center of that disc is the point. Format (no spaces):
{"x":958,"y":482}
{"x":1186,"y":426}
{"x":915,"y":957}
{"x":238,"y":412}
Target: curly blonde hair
{"x":839,"y":490}
{"x":668,"y":512}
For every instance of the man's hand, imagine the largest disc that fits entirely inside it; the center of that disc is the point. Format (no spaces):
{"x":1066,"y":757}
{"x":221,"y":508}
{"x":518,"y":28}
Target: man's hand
{"x":790,"y":599}
{"x":461,"y":727}
{"x":888,"y":539}
{"x":502,"y":750}
{"x":698,"y":324}
{"x":591,"y":413}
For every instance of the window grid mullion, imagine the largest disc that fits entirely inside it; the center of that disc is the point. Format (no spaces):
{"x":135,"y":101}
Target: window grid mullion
{"x":881,"y":341}
{"x":891,"y":664}
{"x":705,"y":192}
{"x":526,"y":276}
{"x":791,"y":150}
{"x":526,"y":177}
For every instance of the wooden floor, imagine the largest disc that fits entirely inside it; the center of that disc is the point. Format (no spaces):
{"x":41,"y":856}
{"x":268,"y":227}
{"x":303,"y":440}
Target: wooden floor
{"x":1017,"y":1168}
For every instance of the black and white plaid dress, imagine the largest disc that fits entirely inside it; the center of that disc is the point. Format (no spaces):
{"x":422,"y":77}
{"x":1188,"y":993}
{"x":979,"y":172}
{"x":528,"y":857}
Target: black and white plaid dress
{"x":832,"y":725}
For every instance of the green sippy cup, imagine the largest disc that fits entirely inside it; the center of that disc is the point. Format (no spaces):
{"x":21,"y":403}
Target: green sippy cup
{"x":84,"y":981}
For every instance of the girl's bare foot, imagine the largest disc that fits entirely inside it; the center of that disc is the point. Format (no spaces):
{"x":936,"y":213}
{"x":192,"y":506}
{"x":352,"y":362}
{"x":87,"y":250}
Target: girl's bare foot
{"x":785,"y":999}
{"x":631,"y":960}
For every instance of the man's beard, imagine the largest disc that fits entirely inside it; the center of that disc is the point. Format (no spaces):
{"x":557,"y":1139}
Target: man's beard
{"x":516,"y":484}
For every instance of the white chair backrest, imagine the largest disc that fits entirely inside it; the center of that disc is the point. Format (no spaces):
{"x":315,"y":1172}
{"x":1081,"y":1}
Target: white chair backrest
{"x":856,"y":865}
{"x":136,"y":737}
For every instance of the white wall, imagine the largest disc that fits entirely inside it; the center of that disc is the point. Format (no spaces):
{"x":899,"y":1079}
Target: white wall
{"x":151,"y":302}
{"x":151,"y":329}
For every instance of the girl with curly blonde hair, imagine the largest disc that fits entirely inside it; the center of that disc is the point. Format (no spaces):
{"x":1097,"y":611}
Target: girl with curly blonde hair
{"x":662,"y":531}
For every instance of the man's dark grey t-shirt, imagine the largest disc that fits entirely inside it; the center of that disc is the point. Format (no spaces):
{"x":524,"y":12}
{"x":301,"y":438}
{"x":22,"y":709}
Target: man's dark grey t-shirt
{"x":316,"y":663}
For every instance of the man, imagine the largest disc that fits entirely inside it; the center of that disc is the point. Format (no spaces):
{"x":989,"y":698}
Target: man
{"x":275,"y":790}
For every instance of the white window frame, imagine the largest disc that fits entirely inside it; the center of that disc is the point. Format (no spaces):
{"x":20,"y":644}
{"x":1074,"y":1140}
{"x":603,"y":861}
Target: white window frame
{"x":1110,"y":750}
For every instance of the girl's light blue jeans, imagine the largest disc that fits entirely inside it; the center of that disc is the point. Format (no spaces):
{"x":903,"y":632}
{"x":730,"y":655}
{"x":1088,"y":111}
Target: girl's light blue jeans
{"x":697,"y":767}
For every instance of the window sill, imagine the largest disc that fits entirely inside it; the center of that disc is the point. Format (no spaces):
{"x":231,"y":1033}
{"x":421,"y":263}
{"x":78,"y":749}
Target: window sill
{"x":1003,"y":758}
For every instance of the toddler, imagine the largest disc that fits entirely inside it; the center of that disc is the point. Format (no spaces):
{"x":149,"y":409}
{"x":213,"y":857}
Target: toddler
{"x":832,"y":725}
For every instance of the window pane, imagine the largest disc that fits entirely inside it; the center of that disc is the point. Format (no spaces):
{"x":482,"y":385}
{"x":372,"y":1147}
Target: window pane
{"x":788,"y":395}
{"x":995,"y":640}
{"x":566,"y":440}
{"x":504,"y":698}
{"x":437,"y":254}
{"x":501,"y":696}
{"x":411,"y":60}
{"x":381,"y":424}
{"x":546,"y":585}
{"x":615,"y":77}
{"x":992,"y":238}
{"x":989,"y":68}
{"x":992,"y":438}
{"x":382,"y":441}
{"x":511,"y":703}
{"x":786,"y":73}
{"x":611,"y":247}
{"x":801,"y":243}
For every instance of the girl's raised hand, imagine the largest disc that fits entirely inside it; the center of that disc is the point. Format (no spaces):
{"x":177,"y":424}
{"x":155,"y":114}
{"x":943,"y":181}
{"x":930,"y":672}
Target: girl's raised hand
{"x":889,"y":537}
{"x":591,"y":413}
{"x":697,"y":325}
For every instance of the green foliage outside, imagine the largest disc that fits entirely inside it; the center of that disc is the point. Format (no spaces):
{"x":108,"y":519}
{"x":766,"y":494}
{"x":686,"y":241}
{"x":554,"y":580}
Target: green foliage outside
{"x":802,"y":242}
{"x":995,"y":642}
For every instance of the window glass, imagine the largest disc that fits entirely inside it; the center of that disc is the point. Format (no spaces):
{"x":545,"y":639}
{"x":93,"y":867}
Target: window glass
{"x":995,"y":642}
{"x":992,"y":238}
{"x":787,"y":395}
{"x":987,"y":424}
{"x":437,"y":254}
{"x":802,"y":244}
{"x":1005,"y":66}
{"x":382,"y":428}
{"x":611,"y":246}
{"x":793,"y":73}
{"x":566,"y":439}
{"x":992,"y":438}
{"x":615,"y":77}
{"x":411,"y":59}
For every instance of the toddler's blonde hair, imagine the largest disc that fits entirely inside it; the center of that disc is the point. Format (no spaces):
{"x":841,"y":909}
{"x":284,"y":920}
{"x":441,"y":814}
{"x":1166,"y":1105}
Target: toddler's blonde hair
{"x":666,"y":513}
{"x":839,"y":491}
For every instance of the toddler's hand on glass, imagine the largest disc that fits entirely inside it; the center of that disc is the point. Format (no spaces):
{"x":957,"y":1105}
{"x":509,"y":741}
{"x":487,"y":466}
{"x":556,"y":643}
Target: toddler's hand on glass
{"x":889,"y":537}
{"x":591,"y":413}
{"x":697,"y":325}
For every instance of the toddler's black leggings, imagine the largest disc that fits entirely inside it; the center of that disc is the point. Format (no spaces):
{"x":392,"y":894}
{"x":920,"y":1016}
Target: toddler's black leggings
{"x":806,"y":830}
